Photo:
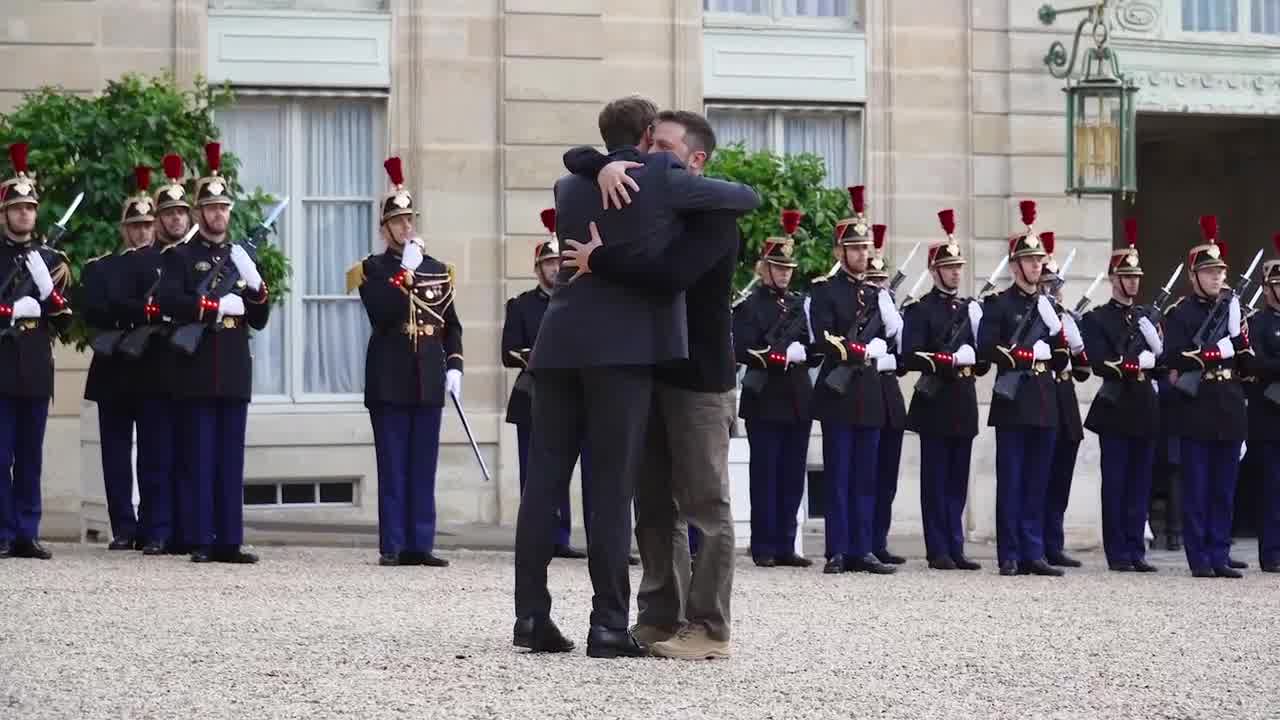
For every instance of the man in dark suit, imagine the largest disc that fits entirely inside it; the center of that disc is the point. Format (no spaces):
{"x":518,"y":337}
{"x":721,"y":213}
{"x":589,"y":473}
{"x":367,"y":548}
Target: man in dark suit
{"x":593,"y":370}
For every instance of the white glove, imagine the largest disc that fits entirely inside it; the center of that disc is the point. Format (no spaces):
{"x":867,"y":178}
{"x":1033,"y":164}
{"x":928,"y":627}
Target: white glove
{"x":1074,"y":341}
{"x":26,"y":307}
{"x":796,"y":354}
{"x":889,"y":313}
{"x":1041,"y":350}
{"x":412,"y":256}
{"x":247,"y":268}
{"x":1048,"y":315}
{"x":1146,"y":360}
{"x":886,"y":363}
{"x":808,"y":321}
{"x":1244,"y":449}
{"x":964,"y":356}
{"x":230,"y":305}
{"x":1151,"y":335}
{"x":1226,"y":348}
{"x":975,"y":316}
{"x":1233,"y":317}
{"x":876,"y":348}
{"x":40,"y":274}
{"x":453,"y":383}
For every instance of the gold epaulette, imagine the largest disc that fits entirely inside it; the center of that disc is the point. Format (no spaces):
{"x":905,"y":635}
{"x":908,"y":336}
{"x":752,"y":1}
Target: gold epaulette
{"x":95,"y":259}
{"x":909,"y":303}
{"x":453,"y":272}
{"x":355,"y":274}
{"x":171,"y":246}
{"x":820,"y":279}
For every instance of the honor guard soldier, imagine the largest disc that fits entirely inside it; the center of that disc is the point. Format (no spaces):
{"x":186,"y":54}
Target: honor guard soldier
{"x":109,"y":384}
{"x":939,"y":341}
{"x":414,"y":361}
{"x":519,"y":330}
{"x":1123,"y":341}
{"x":1264,"y":410}
{"x":845,"y":313}
{"x":889,"y":452}
{"x":770,"y":332}
{"x":212,"y":286}
{"x":1208,"y":405}
{"x":1074,"y":364}
{"x":33,"y":282}
{"x":1019,"y":332}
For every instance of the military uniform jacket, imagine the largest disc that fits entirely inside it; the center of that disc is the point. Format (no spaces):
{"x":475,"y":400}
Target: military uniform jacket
{"x":26,"y":356}
{"x":1069,"y":425}
{"x":1036,"y":404}
{"x":927,"y":322}
{"x":1263,"y":372}
{"x":151,"y":374}
{"x":1217,"y":413}
{"x":1136,"y":411}
{"x":788,"y":391}
{"x":99,"y":283}
{"x":519,"y":331}
{"x":833,"y":307}
{"x":895,"y":407}
{"x":416,"y":333}
{"x":222,"y":366}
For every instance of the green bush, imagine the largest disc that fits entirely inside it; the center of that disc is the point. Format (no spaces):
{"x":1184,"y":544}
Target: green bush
{"x":92,"y":144}
{"x":791,"y":182}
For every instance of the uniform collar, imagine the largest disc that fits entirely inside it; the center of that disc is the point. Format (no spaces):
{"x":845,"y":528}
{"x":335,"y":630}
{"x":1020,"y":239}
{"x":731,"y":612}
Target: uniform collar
{"x":1118,"y":305}
{"x":210,"y":244}
{"x":542,"y":293}
{"x":11,"y":241}
{"x":1020,"y":293}
{"x":944,"y":294}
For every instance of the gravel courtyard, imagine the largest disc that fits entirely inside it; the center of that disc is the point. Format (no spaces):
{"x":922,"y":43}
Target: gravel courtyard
{"x":326,"y":633}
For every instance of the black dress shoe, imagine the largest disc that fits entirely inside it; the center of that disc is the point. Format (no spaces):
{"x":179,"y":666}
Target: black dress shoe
{"x":793,"y":560}
{"x":1143,"y":566}
{"x":540,"y":636}
{"x":605,"y":643}
{"x":1120,"y":567}
{"x":1202,"y":572}
{"x":434,"y":561}
{"x":1009,"y":568}
{"x":201,"y":555}
{"x":1061,"y":559}
{"x":835,"y":565}
{"x":121,"y":543}
{"x":389,"y":560}
{"x":1039,"y":567}
{"x":568,"y":552}
{"x":234,"y":556}
{"x":30,"y":549}
{"x":964,"y":563}
{"x":889,"y":558}
{"x":765,"y":561}
{"x":1227,"y":572}
{"x":411,"y":557}
{"x":1237,"y":564}
{"x":942,"y":563}
{"x":177,"y":548}
{"x":155,"y":547}
{"x":6,"y":550}
{"x":139,"y":543}
{"x":1271,"y":567}
{"x":870,"y":564}
{"x":633,"y":561}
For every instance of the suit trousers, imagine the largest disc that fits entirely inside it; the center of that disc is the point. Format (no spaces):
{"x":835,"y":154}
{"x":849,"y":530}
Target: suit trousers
{"x":1023,"y":455}
{"x":1126,"y":495}
{"x":563,"y":508}
{"x":215,"y":430}
{"x":944,"y":489}
{"x":407,"y":441}
{"x":1209,"y":472}
{"x":849,"y":456}
{"x":22,"y":424}
{"x":779,"y":456}
{"x":612,"y":405}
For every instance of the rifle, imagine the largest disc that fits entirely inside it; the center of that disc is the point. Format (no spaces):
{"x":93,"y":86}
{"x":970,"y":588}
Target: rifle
{"x":1214,"y":327}
{"x":1135,"y":343}
{"x":790,"y":325}
{"x":135,"y":340}
{"x":15,"y":285}
{"x":1030,"y":330}
{"x":865,"y":326}
{"x":929,"y":384}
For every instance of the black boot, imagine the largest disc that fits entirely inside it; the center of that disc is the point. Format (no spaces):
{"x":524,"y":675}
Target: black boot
{"x":602,"y":642}
{"x":540,"y":636}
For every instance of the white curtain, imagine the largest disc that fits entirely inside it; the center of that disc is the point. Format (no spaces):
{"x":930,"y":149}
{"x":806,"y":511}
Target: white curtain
{"x":1210,"y":15}
{"x":824,"y":135}
{"x":1266,"y":16}
{"x":259,"y":136}
{"x":749,"y":7}
{"x":815,"y":8}
{"x":751,"y":128}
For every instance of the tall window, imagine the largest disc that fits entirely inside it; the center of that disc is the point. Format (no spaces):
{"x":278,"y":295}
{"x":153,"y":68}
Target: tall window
{"x":1266,"y":17}
{"x":834,"y":134}
{"x":1210,"y":15}
{"x":325,"y":154}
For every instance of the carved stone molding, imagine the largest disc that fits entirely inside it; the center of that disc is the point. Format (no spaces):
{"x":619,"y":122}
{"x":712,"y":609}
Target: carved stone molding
{"x":1140,"y":17}
{"x":1224,"y":93}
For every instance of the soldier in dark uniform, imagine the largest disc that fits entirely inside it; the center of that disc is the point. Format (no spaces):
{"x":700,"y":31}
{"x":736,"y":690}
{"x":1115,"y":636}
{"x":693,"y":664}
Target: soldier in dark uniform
{"x":519,"y":330}
{"x":1212,"y":423}
{"x":1019,"y":332}
{"x":1123,"y":343}
{"x":1264,"y":410}
{"x":889,"y":451}
{"x":101,"y":284}
{"x":939,"y":338}
{"x":848,"y":333}
{"x":770,"y":332}
{"x":215,"y":382}
{"x":414,"y":362}
{"x":33,"y":309}
{"x":1074,"y":367}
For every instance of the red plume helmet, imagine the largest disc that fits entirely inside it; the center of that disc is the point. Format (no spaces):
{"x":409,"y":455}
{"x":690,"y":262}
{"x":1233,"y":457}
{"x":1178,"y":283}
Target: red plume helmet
{"x":948,"y":219}
{"x":18,"y":155}
{"x":857,"y":196}
{"x":877,"y":235}
{"x":1028,"y":210}
{"x":549,"y":220}
{"x":142,"y":175}
{"x":213,"y":156}
{"x":791,"y":221}
{"x":1049,"y":241}
{"x":394,"y":171}
{"x":1209,"y":228}
{"x":173,"y":167}
{"x":1131,"y":232}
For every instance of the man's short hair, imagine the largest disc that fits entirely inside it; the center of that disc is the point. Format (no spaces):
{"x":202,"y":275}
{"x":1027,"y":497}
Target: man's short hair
{"x":624,"y":121}
{"x":698,"y":134}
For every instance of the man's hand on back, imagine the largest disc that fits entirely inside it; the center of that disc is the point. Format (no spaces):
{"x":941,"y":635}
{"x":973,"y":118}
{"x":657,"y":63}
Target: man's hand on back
{"x":578,"y":255}
{"x":614,"y":181}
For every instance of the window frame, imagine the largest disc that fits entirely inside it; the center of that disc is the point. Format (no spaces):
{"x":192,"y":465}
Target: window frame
{"x":775,"y":19}
{"x":217,"y":6}
{"x":1243,"y":35}
{"x":854,"y":167}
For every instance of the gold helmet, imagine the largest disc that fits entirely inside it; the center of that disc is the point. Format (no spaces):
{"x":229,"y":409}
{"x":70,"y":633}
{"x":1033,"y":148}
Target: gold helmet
{"x":947,"y":252}
{"x":780,"y":251}
{"x":139,"y":208}
{"x":1211,"y":253}
{"x":854,"y":231}
{"x":398,"y":201}
{"x":1026,"y":244}
{"x":1125,"y":261}
{"x":877,"y":268}
{"x":213,"y":189}
{"x":173,"y":192}
{"x":21,"y":188}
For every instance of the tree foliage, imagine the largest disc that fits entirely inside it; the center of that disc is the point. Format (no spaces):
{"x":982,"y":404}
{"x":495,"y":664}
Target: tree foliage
{"x":91,"y":145}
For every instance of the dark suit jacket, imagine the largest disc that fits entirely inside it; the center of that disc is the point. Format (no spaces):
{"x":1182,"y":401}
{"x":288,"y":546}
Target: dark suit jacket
{"x":595,"y":322}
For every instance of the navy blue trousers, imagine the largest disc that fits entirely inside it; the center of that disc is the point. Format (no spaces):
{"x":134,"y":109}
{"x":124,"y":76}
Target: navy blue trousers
{"x":22,"y":424}
{"x":1058,"y":493}
{"x":779,"y":453}
{"x":1126,"y":495}
{"x":157,"y":477}
{"x":1023,"y":455}
{"x":214,"y":504}
{"x":944,"y":489}
{"x":116,"y":419}
{"x":1209,"y":472}
{"x":407,"y":440}
{"x":1269,"y":519}
{"x":849,"y":457}
{"x":888,"y":460}
{"x":563,"y":508}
